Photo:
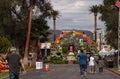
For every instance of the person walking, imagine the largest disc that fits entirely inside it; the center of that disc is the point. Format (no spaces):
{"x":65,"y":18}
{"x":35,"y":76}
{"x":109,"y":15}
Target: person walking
{"x":100,"y":64}
{"x":15,"y":62}
{"x":83,"y":63}
{"x":91,"y":64}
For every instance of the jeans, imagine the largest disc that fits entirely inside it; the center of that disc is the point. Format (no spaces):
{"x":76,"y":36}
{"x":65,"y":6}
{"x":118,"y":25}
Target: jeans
{"x":14,"y":75}
{"x":83,"y":68}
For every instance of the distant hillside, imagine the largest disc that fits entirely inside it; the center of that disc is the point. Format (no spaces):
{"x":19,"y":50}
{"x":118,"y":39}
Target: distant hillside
{"x":58,"y":32}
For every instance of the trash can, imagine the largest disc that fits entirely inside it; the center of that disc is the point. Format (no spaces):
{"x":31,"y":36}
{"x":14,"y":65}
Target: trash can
{"x":110,"y":64}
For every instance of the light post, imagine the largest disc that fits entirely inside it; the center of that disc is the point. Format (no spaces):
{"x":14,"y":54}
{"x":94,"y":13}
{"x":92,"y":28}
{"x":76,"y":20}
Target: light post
{"x":119,"y":41}
{"x":100,"y":40}
{"x":118,"y":5}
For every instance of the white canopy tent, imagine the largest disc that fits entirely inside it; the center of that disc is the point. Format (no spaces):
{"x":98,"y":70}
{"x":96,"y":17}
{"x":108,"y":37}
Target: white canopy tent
{"x":104,"y":52}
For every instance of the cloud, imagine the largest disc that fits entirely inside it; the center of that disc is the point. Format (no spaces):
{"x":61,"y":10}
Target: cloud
{"x":75,"y":14}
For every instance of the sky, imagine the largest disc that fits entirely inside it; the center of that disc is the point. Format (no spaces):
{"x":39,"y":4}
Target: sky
{"x":75,"y":14}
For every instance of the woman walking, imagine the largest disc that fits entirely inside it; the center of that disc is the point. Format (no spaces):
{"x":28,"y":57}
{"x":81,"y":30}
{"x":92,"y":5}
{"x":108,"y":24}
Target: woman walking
{"x":91,"y":64}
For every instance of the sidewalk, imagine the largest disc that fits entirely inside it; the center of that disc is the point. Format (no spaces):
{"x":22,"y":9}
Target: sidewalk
{"x":114,"y":71}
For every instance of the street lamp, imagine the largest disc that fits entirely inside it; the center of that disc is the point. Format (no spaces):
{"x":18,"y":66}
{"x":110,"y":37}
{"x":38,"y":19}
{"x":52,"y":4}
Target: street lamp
{"x":119,"y":41}
{"x":118,"y":5}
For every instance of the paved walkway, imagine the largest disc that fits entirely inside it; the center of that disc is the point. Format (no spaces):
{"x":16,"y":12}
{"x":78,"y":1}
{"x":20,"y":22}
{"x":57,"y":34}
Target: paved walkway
{"x":66,"y":71}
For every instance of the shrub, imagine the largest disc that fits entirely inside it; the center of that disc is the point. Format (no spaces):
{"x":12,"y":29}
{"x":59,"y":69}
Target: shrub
{"x":4,"y":44}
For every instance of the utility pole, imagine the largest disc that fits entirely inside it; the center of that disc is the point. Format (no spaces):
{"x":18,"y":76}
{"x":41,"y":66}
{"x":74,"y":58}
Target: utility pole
{"x":119,"y":42}
{"x":100,"y":40}
{"x":118,"y":5}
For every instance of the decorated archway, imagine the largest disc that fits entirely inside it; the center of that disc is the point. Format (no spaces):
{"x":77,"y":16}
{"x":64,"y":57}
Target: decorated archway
{"x":91,"y":44}
{"x":89,"y":40}
{"x":69,"y":44}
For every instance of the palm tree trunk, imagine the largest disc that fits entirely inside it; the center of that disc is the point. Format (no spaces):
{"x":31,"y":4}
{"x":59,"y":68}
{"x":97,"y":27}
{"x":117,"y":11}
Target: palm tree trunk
{"x":28,"y":34}
{"x":95,"y":26}
{"x":54,"y":25}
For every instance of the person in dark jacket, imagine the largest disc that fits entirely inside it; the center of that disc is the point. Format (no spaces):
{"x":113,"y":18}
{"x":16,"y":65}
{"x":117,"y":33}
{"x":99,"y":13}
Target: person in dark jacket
{"x":15,"y":62}
{"x":83,"y":63}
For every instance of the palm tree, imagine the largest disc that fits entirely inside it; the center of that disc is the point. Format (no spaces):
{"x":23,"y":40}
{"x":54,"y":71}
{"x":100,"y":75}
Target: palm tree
{"x":47,"y":6}
{"x":28,"y":34}
{"x":95,"y":9}
{"x":54,"y":15}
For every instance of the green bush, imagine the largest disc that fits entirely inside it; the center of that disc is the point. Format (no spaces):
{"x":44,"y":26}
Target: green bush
{"x":55,"y":60}
{"x":4,"y":44}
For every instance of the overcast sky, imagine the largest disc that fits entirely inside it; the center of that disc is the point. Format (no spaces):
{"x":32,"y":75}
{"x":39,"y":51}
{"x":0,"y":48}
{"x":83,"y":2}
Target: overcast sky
{"x":74,"y":14}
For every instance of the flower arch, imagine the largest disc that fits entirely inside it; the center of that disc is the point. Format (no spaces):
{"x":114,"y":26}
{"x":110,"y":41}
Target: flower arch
{"x":89,"y":40}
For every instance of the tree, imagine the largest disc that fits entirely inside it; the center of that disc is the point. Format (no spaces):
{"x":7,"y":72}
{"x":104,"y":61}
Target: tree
{"x":14,"y":21}
{"x":14,"y":25}
{"x":54,"y":15}
{"x":5,"y":16}
{"x":39,"y":31}
{"x":110,"y":17}
{"x":4,"y":44}
{"x":29,"y":31}
{"x":95,"y":9}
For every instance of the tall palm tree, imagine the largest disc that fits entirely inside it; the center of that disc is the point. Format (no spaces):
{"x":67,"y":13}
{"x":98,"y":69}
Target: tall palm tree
{"x":95,"y":9}
{"x":28,"y":34}
{"x":54,"y":15}
{"x":44,"y":5}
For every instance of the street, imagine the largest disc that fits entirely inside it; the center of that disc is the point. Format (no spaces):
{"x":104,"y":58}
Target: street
{"x":66,"y":71}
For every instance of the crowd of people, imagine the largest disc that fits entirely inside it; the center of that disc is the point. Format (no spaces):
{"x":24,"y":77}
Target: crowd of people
{"x":89,"y":64}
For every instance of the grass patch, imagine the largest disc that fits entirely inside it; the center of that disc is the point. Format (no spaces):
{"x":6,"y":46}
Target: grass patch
{"x":6,"y":74}
{"x":3,"y":74}
{"x":115,"y":69}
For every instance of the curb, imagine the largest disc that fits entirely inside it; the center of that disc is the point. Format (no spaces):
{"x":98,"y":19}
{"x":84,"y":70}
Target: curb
{"x":116,"y":72}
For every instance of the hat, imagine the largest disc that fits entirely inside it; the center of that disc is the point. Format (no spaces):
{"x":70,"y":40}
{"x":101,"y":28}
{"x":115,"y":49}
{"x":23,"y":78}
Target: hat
{"x":12,"y":49}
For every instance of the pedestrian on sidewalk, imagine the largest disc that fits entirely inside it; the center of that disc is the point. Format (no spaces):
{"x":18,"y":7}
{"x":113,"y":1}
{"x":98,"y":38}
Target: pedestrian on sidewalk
{"x":15,"y":62}
{"x":100,"y":64}
{"x":83,"y":63}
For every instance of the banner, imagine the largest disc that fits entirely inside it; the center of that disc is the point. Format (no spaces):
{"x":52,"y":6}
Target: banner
{"x":39,"y":65}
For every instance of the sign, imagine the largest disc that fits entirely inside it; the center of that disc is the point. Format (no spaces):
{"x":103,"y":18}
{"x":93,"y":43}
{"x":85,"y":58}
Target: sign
{"x":39,"y":65}
{"x":45,"y":45}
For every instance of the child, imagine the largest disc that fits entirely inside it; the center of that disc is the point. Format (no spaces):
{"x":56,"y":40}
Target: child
{"x":91,"y":63}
